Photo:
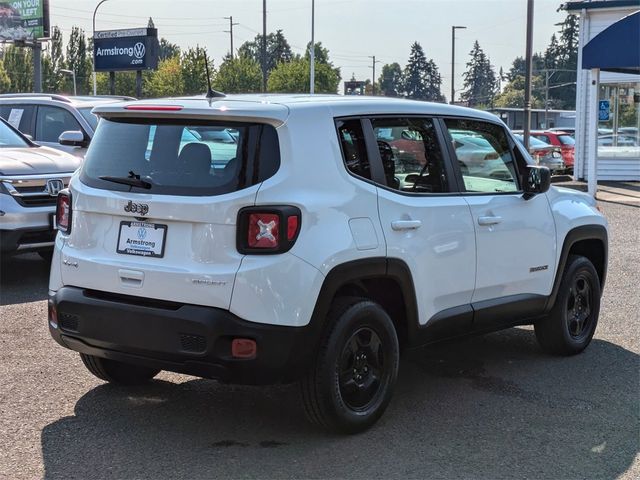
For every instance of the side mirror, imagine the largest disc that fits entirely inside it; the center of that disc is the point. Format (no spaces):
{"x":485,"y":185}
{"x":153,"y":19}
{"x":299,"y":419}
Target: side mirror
{"x":538,"y":181}
{"x":72,"y":138}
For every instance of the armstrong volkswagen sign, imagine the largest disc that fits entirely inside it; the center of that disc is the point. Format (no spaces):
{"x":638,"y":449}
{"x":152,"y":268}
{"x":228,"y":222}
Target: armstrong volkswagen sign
{"x":131,"y":49}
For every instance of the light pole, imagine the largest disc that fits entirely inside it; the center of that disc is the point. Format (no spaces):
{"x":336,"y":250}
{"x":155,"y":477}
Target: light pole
{"x":453,"y":61}
{"x":73,"y":74}
{"x":528,"y":75}
{"x":312,"y":54}
{"x":95,"y":82}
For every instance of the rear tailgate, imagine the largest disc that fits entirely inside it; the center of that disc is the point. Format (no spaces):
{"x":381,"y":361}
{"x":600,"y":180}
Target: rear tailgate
{"x":196,"y":239}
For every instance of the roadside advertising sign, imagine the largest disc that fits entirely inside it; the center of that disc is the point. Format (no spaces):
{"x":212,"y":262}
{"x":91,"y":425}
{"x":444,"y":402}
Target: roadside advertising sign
{"x":130,"y":49}
{"x":24,"y":20}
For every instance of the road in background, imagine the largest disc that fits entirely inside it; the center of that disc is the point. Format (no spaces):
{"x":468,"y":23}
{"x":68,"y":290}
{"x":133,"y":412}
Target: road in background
{"x":490,"y":407}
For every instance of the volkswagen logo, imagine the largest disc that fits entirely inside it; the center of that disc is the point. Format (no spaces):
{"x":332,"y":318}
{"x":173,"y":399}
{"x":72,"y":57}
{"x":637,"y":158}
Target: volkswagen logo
{"x":139,"y":50}
{"x":54,"y":186}
{"x":142,"y":233}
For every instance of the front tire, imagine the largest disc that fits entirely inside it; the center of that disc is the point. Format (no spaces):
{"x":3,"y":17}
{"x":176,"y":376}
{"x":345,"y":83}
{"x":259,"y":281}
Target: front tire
{"x":351,"y":383}
{"x":569,"y":327}
{"x":117,"y":372}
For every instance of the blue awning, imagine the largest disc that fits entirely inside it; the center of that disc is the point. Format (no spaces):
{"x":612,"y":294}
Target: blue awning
{"x":616,"y":49}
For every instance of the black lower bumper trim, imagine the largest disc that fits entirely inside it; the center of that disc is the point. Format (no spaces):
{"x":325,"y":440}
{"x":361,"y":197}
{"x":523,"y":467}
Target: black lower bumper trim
{"x":182,"y":338}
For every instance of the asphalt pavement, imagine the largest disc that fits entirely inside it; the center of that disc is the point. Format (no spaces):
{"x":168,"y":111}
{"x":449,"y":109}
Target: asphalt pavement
{"x":486,"y":408}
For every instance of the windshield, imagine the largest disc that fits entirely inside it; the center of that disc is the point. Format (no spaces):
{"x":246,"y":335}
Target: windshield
{"x":180,"y":158}
{"x":9,"y":138}
{"x":533,"y":142}
{"x":89,"y":117}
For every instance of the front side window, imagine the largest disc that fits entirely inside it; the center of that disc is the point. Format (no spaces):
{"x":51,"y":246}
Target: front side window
{"x":411,"y":154}
{"x":19,"y":117}
{"x":51,"y":122}
{"x":484,"y":156}
{"x":180,"y":158}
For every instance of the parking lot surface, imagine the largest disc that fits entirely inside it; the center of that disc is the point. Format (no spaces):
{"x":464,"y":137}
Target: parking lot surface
{"x":489,"y":407}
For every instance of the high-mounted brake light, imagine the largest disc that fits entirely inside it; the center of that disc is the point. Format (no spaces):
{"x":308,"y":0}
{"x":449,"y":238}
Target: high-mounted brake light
{"x":155,"y":108}
{"x":267,"y":230}
{"x":63,"y":211}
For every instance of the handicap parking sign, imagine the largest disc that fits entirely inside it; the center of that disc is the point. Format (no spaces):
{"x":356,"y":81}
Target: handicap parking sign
{"x":603,"y":110}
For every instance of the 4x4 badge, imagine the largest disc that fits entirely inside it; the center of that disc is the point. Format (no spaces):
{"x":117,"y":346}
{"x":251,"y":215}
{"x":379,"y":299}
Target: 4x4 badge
{"x":141,"y":208}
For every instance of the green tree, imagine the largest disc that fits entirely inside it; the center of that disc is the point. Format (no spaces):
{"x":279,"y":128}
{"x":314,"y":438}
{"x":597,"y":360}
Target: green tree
{"x":194,"y":72}
{"x":564,"y":95}
{"x":79,"y":60}
{"x":480,"y":84}
{"x":52,"y":63}
{"x":167,"y":81}
{"x":422,"y":81}
{"x":512,"y":96}
{"x":18,"y":63}
{"x":125,"y":83}
{"x":278,"y":50}
{"x":5,"y":81}
{"x":294,"y":77}
{"x":391,"y":80}
{"x":167,"y":49}
{"x":238,"y":75}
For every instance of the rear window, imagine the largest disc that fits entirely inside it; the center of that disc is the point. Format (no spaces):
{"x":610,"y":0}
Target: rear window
{"x":566,"y":140}
{"x":195,"y":158}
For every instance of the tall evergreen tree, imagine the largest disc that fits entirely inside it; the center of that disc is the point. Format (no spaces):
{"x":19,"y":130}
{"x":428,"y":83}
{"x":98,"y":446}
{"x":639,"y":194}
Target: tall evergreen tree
{"x":79,"y":60}
{"x":480,"y":84}
{"x":391,"y":80}
{"x":194,"y":72}
{"x":52,"y":63}
{"x":422,"y":81}
{"x":167,"y":49}
{"x":278,"y":50}
{"x":18,"y":63}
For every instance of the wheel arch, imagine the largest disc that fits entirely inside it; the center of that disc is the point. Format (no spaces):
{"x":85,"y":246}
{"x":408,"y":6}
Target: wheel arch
{"x":383,"y":280}
{"x":590,"y":241}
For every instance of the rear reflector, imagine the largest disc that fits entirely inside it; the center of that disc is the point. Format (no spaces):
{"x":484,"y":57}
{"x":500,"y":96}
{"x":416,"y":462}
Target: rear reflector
{"x":243,"y":348}
{"x":53,"y":314}
{"x":155,"y":108}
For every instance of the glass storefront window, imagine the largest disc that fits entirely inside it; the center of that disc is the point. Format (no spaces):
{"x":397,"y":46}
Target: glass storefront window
{"x":619,"y":121}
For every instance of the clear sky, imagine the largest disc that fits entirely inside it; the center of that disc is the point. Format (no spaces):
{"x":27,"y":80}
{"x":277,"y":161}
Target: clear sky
{"x":352,"y":30}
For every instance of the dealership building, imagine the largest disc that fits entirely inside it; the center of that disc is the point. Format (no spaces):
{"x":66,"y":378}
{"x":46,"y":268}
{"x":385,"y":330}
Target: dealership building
{"x":608,"y":90}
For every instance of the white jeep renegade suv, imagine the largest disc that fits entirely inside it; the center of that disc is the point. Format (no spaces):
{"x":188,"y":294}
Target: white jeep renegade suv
{"x":264,"y":239}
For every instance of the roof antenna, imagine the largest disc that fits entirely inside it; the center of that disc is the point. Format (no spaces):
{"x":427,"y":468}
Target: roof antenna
{"x":211,"y":93}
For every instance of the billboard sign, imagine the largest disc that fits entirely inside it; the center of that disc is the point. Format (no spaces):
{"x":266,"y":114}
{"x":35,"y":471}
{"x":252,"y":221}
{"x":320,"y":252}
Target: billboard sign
{"x":24,"y":20}
{"x":130,"y":49}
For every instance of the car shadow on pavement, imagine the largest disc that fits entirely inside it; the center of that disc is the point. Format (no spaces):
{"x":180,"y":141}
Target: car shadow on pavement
{"x":490,"y":407}
{"x":23,"y":279}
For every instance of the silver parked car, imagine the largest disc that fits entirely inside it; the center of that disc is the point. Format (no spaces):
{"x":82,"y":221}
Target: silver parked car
{"x":57,"y":121}
{"x":30,"y":178}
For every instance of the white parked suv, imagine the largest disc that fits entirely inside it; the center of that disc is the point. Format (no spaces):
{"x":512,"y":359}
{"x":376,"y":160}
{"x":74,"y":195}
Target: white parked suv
{"x":311,"y":252}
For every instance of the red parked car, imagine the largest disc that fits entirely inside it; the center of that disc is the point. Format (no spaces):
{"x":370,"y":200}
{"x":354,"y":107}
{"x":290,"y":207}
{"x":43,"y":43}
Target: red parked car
{"x":560,"y":139}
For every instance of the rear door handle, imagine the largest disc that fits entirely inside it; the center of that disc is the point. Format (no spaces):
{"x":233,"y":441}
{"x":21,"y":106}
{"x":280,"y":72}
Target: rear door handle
{"x":489,"y":220}
{"x":405,"y":224}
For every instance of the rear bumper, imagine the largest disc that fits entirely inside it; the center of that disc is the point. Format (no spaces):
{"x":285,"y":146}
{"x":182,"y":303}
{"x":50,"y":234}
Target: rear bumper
{"x":181,"y":338}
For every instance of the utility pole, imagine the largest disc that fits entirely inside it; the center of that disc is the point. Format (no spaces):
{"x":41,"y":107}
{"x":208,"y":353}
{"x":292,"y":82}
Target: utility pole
{"x":230,"y":32}
{"x":264,"y":46}
{"x":546,"y":99}
{"x":373,"y":81}
{"x":453,"y":61}
{"x":528,"y":74}
{"x":312,"y":53}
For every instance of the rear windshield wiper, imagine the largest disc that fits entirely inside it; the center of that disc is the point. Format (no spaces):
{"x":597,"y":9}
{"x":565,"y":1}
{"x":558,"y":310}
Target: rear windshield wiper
{"x":133,"y":180}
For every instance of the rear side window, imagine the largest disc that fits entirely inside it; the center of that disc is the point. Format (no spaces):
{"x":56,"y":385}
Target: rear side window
{"x":172,"y":157}
{"x":354,"y":149}
{"x":19,"y":116}
{"x":567,"y":140}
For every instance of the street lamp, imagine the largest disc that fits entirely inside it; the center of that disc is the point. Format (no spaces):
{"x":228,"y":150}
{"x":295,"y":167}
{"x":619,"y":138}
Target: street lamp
{"x":73,"y":74}
{"x":453,"y":60}
{"x":95,"y":83}
{"x":312,"y":54}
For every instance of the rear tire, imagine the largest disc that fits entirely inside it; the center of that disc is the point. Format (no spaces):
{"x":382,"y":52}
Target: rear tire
{"x":569,"y":327}
{"x":350,"y":384}
{"x":117,"y":372}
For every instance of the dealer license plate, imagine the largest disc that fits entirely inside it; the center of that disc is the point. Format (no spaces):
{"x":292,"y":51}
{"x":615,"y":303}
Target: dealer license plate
{"x":141,"y":238}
